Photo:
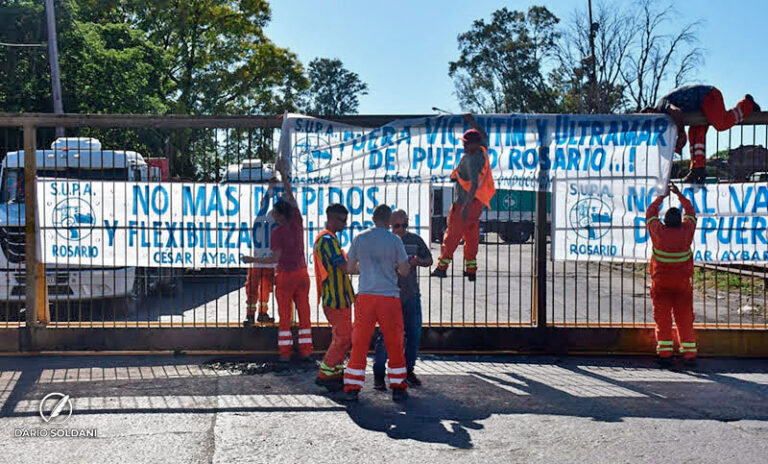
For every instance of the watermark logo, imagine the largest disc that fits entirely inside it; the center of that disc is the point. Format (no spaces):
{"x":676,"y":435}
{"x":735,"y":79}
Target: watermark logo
{"x":73,"y":219}
{"x":56,"y":406}
{"x":307,"y":158}
{"x":591,"y":218}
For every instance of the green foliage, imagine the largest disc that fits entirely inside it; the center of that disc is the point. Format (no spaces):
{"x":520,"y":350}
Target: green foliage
{"x":155,"y":57}
{"x":334,"y":90}
{"x":500,"y":67}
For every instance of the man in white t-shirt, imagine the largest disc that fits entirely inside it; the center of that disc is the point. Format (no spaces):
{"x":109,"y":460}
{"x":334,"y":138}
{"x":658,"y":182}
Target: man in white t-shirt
{"x":380,"y":256}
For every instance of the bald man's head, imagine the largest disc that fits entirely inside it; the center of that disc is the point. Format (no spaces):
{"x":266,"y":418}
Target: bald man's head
{"x":399,"y":214}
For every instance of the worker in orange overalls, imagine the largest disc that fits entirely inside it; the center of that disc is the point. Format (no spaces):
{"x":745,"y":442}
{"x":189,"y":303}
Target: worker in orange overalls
{"x":260,"y":278}
{"x":335,"y":293}
{"x":671,"y":272}
{"x":474,"y":190}
{"x":379,"y":256}
{"x":708,"y":100}
{"x":292,"y":279}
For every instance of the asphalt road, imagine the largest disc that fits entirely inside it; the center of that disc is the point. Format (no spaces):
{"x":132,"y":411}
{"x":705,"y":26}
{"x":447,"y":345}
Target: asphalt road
{"x":509,"y":409}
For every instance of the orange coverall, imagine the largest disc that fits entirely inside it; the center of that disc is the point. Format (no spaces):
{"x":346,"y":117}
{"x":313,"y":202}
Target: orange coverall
{"x":258,"y":287}
{"x":671,"y":270}
{"x":469,"y":230}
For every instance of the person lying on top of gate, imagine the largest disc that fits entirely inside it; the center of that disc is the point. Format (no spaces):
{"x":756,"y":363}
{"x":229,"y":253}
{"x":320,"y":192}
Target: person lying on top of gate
{"x":259,"y":281}
{"x":671,"y":271}
{"x":292,"y":279}
{"x":708,"y":100}
{"x":474,"y":189}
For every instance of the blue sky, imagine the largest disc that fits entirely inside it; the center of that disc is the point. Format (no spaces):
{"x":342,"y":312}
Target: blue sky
{"x":401,"y":49}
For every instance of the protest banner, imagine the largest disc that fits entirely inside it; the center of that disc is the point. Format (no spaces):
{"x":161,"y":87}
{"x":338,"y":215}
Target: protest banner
{"x":526,"y":152}
{"x":606,"y":221}
{"x":191,"y":225}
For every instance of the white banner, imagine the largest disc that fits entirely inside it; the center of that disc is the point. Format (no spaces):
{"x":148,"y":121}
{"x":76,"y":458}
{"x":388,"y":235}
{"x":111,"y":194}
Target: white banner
{"x":192,"y":225}
{"x":605,"y":221}
{"x":526,"y":152}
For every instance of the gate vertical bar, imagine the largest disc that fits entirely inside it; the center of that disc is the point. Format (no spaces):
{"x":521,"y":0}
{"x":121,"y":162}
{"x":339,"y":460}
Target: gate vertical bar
{"x":36,"y":288}
{"x":540,"y":241}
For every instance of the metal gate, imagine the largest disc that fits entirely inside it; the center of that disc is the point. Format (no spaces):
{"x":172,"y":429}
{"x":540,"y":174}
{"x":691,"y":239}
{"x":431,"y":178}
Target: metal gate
{"x":522,"y":300}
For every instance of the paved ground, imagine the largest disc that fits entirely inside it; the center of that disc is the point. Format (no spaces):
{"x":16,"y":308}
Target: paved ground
{"x":470,"y":409}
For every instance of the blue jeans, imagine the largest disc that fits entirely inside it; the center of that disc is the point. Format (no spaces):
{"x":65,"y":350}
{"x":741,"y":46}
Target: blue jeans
{"x":412,"y":326}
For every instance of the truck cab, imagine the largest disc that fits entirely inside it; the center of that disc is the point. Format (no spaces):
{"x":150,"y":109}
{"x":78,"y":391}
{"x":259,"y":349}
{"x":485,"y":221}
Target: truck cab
{"x":512,"y":214}
{"x":250,"y":171}
{"x":68,"y":158}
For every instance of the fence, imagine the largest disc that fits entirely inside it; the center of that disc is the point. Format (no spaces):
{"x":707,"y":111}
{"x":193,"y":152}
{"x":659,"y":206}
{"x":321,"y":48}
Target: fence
{"x":510,"y":306}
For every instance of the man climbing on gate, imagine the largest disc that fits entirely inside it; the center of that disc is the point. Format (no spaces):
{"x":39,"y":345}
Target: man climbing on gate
{"x":474,"y":189}
{"x":708,"y":100}
{"x":335,"y":294}
{"x":261,"y":277}
{"x":671,"y":271}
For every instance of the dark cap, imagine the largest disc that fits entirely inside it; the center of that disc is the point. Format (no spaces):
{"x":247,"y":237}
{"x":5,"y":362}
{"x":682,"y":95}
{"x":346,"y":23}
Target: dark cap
{"x":472,"y":135}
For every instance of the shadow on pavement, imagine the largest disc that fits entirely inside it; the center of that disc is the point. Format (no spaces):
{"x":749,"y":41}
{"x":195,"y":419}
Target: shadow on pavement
{"x":458,"y":392}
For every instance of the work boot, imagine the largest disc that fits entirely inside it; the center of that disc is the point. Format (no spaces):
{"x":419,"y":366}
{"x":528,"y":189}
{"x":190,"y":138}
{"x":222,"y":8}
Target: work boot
{"x":689,"y":362}
{"x":350,"y":396}
{"x":399,"y":395}
{"x":412,"y":380}
{"x":378,"y":382}
{"x":439,"y":273}
{"x":264,"y":318}
{"x":283,"y":364}
{"x":248,"y":322}
{"x":755,"y":106}
{"x":307,"y":359}
{"x":331,"y":384}
{"x":664,"y":363}
{"x":471,"y":276}
{"x":696,"y":176}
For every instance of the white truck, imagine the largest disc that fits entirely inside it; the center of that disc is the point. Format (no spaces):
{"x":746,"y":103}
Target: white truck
{"x":250,"y":171}
{"x":70,"y":158}
{"x":512,"y":214}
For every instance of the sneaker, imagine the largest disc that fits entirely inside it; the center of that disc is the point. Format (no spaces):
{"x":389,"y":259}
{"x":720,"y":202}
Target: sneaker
{"x":471,"y":276}
{"x":399,"y":395}
{"x":248,"y":322}
{"x":412,"y":380}
{"x":441,"y":273}
{"x":378,"y":382}
{"x":333,"y":385}
{"x":755,"y":106}
{"x":350,"y":396}
{"x":264,"y":317}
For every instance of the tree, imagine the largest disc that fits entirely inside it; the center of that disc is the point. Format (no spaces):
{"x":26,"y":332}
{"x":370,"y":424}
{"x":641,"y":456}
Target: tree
{"x":501,"y":63}
{"x":658,"y":55}
{"x":638,"y":49}
{"x":105,"y":68}
{"x":334,"y":90}
{"x":221,"y":60}
{"x":613,"y":40}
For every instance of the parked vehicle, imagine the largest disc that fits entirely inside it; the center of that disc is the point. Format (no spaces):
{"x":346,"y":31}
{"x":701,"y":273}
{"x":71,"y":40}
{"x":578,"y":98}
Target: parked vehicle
{"x":512,"y":214}
{"x":81,"y":159}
